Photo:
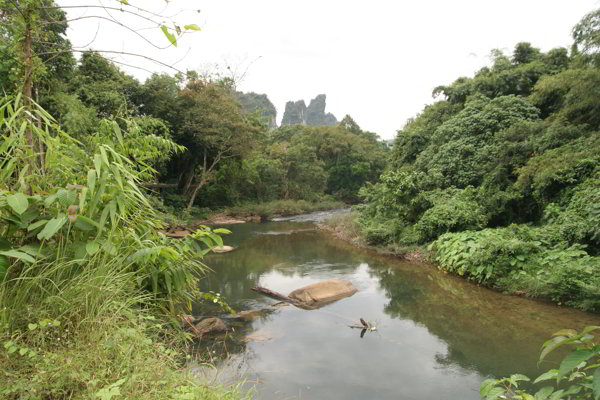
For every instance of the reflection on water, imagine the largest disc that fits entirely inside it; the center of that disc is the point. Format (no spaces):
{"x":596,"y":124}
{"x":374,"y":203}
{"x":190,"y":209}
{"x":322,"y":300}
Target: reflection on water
{"x":437,"y":336}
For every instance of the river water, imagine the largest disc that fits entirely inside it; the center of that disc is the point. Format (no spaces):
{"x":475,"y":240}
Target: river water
{"x":438,"y":336}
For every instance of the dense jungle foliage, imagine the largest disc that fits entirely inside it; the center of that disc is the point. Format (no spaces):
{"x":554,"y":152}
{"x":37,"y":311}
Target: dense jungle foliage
{"x":502,"y":175}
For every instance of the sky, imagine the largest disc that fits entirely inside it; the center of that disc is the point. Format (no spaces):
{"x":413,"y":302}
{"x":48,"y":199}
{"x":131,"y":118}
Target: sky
{"x":377,"y":61}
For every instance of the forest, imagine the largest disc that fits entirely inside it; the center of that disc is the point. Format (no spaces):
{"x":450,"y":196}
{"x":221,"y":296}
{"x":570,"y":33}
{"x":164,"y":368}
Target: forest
{"x":500,"y":177}
{"x":498,"y":181}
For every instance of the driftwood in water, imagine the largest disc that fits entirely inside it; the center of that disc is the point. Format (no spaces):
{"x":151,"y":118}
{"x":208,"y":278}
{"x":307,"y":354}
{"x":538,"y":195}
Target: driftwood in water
{"x":275,"y":295}
{"x":313,"y":296}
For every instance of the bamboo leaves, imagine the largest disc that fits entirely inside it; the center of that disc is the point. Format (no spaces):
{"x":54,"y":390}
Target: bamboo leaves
{"x":18,"y":202}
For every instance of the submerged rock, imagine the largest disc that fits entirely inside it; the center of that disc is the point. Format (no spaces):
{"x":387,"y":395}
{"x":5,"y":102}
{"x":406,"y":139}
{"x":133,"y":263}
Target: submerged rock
{"x":322,"y":293}
{"x":222,"y":249}
{"x":209,"y":326}
{"x":261,"y":335}
{"x":250,"y":315}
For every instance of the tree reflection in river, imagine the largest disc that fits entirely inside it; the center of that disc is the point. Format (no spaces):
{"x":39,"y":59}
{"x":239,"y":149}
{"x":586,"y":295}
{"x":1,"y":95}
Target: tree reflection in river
{"x":436,"y":333}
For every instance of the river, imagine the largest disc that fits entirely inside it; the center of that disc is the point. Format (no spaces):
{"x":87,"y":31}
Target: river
{"x":438,"y":336}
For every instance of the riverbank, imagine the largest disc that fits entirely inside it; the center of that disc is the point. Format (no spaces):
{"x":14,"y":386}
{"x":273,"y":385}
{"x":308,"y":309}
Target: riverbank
{"x":345,"y":227}
{"x":261,"y":212}
{"x":512,"y":260}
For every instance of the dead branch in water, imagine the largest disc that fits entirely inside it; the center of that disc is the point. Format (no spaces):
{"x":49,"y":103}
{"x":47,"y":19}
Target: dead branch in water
{"x":275,"y":295}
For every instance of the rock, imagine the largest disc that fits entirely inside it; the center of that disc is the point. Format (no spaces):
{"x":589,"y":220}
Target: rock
{"x":322,"y":293}
{"x":187,"y":320}
{"x":222,"y":249}
{"x":250,"y":315}
{"x":261,"y":335}
{"x":209,"y":326}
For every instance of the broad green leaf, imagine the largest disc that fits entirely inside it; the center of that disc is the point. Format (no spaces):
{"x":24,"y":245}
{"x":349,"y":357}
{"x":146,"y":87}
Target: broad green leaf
{"x":551,"y":345}
{"x":566,"y":332}
{"x":557,"y":395}
{"x":50,"y":200}
{"x":19,"y":255}
{"x":52,"y":227}
{"x":192,"y":27}
{"x":169,"y":35}
{"x":32,"y":250}
{"x":486,"y":386}
{"x":32,"y":327}
{"x":18,"y":202}
{"x":573,"y":389}
{"x":572,"y":360}
{"x":85,"y":224}
{"x":67,"y":197}
{"x":92,"y":247}
{"x":23,"y":351}
{"x":519,"y":377}
{"x":36,"y":225}
{"x":544,"y":392}
{"x":222,"y":231}
{"x":495,"y":393}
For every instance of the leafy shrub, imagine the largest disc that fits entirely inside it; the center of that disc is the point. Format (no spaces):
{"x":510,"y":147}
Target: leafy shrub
{"x":579,"y":221}
{"x":580,"y":369}
{"x":524,"y":260}
{"x":547,"y":175}
{"x":459,"y":212}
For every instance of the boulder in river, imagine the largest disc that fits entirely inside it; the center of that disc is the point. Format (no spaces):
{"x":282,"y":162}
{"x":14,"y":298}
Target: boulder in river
{"x":209,"y":326}
{"x":322,"y":293}
{"x":222,"y":249}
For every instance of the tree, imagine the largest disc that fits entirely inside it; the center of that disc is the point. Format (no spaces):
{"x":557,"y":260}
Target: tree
{"x":214,"y":128}
{"x":525,"y":53}
{"x":587,"y":33}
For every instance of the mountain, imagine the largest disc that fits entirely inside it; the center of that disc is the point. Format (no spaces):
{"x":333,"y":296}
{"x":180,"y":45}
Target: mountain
{"x":253,"y":102}
{"x":296,"y":113}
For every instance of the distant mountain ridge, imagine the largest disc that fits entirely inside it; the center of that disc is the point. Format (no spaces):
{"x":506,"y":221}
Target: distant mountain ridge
{"x":297,"y":113}
{"x":253,"y":102}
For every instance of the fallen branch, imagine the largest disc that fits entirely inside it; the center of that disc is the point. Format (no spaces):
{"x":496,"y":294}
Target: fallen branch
{"x":276,"y":295}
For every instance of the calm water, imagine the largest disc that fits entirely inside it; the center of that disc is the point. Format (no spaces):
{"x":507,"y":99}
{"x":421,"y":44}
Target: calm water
{"x":438,"y":336}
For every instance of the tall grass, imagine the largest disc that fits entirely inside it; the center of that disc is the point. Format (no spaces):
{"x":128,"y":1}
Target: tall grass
{"x":85,"y":277}
{"x":87,"y":330}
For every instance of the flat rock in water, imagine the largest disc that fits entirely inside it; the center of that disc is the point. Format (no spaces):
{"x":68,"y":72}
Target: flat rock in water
{"x":222,"y":249}
{"x":261,"y":335}
{"x":250,"y":315}
{"x":209,"y":326}
{"x":322,"y":293}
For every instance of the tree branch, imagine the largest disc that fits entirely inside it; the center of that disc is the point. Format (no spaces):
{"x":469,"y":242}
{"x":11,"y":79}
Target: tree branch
{"x":109,"y":20}
{"x":114,"y":52}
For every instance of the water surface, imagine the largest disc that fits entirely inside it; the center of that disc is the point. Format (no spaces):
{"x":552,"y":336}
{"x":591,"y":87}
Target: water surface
{"x":438,"y":335}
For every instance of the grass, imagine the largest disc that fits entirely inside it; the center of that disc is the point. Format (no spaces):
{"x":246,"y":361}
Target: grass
{"x":282,"y":208}
{"x":71,"y":331}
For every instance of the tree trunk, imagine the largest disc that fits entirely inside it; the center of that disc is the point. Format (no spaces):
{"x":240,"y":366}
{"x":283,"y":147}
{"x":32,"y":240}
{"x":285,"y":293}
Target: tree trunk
{"x":202,"y":182}
{"x":194,"y":193}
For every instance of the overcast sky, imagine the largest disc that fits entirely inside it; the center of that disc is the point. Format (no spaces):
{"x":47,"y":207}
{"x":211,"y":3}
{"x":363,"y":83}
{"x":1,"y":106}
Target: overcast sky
{"x":377,"y":61}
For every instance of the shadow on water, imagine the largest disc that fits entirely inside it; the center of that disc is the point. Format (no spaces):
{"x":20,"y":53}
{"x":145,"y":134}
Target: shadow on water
{"x":437,"y":336}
